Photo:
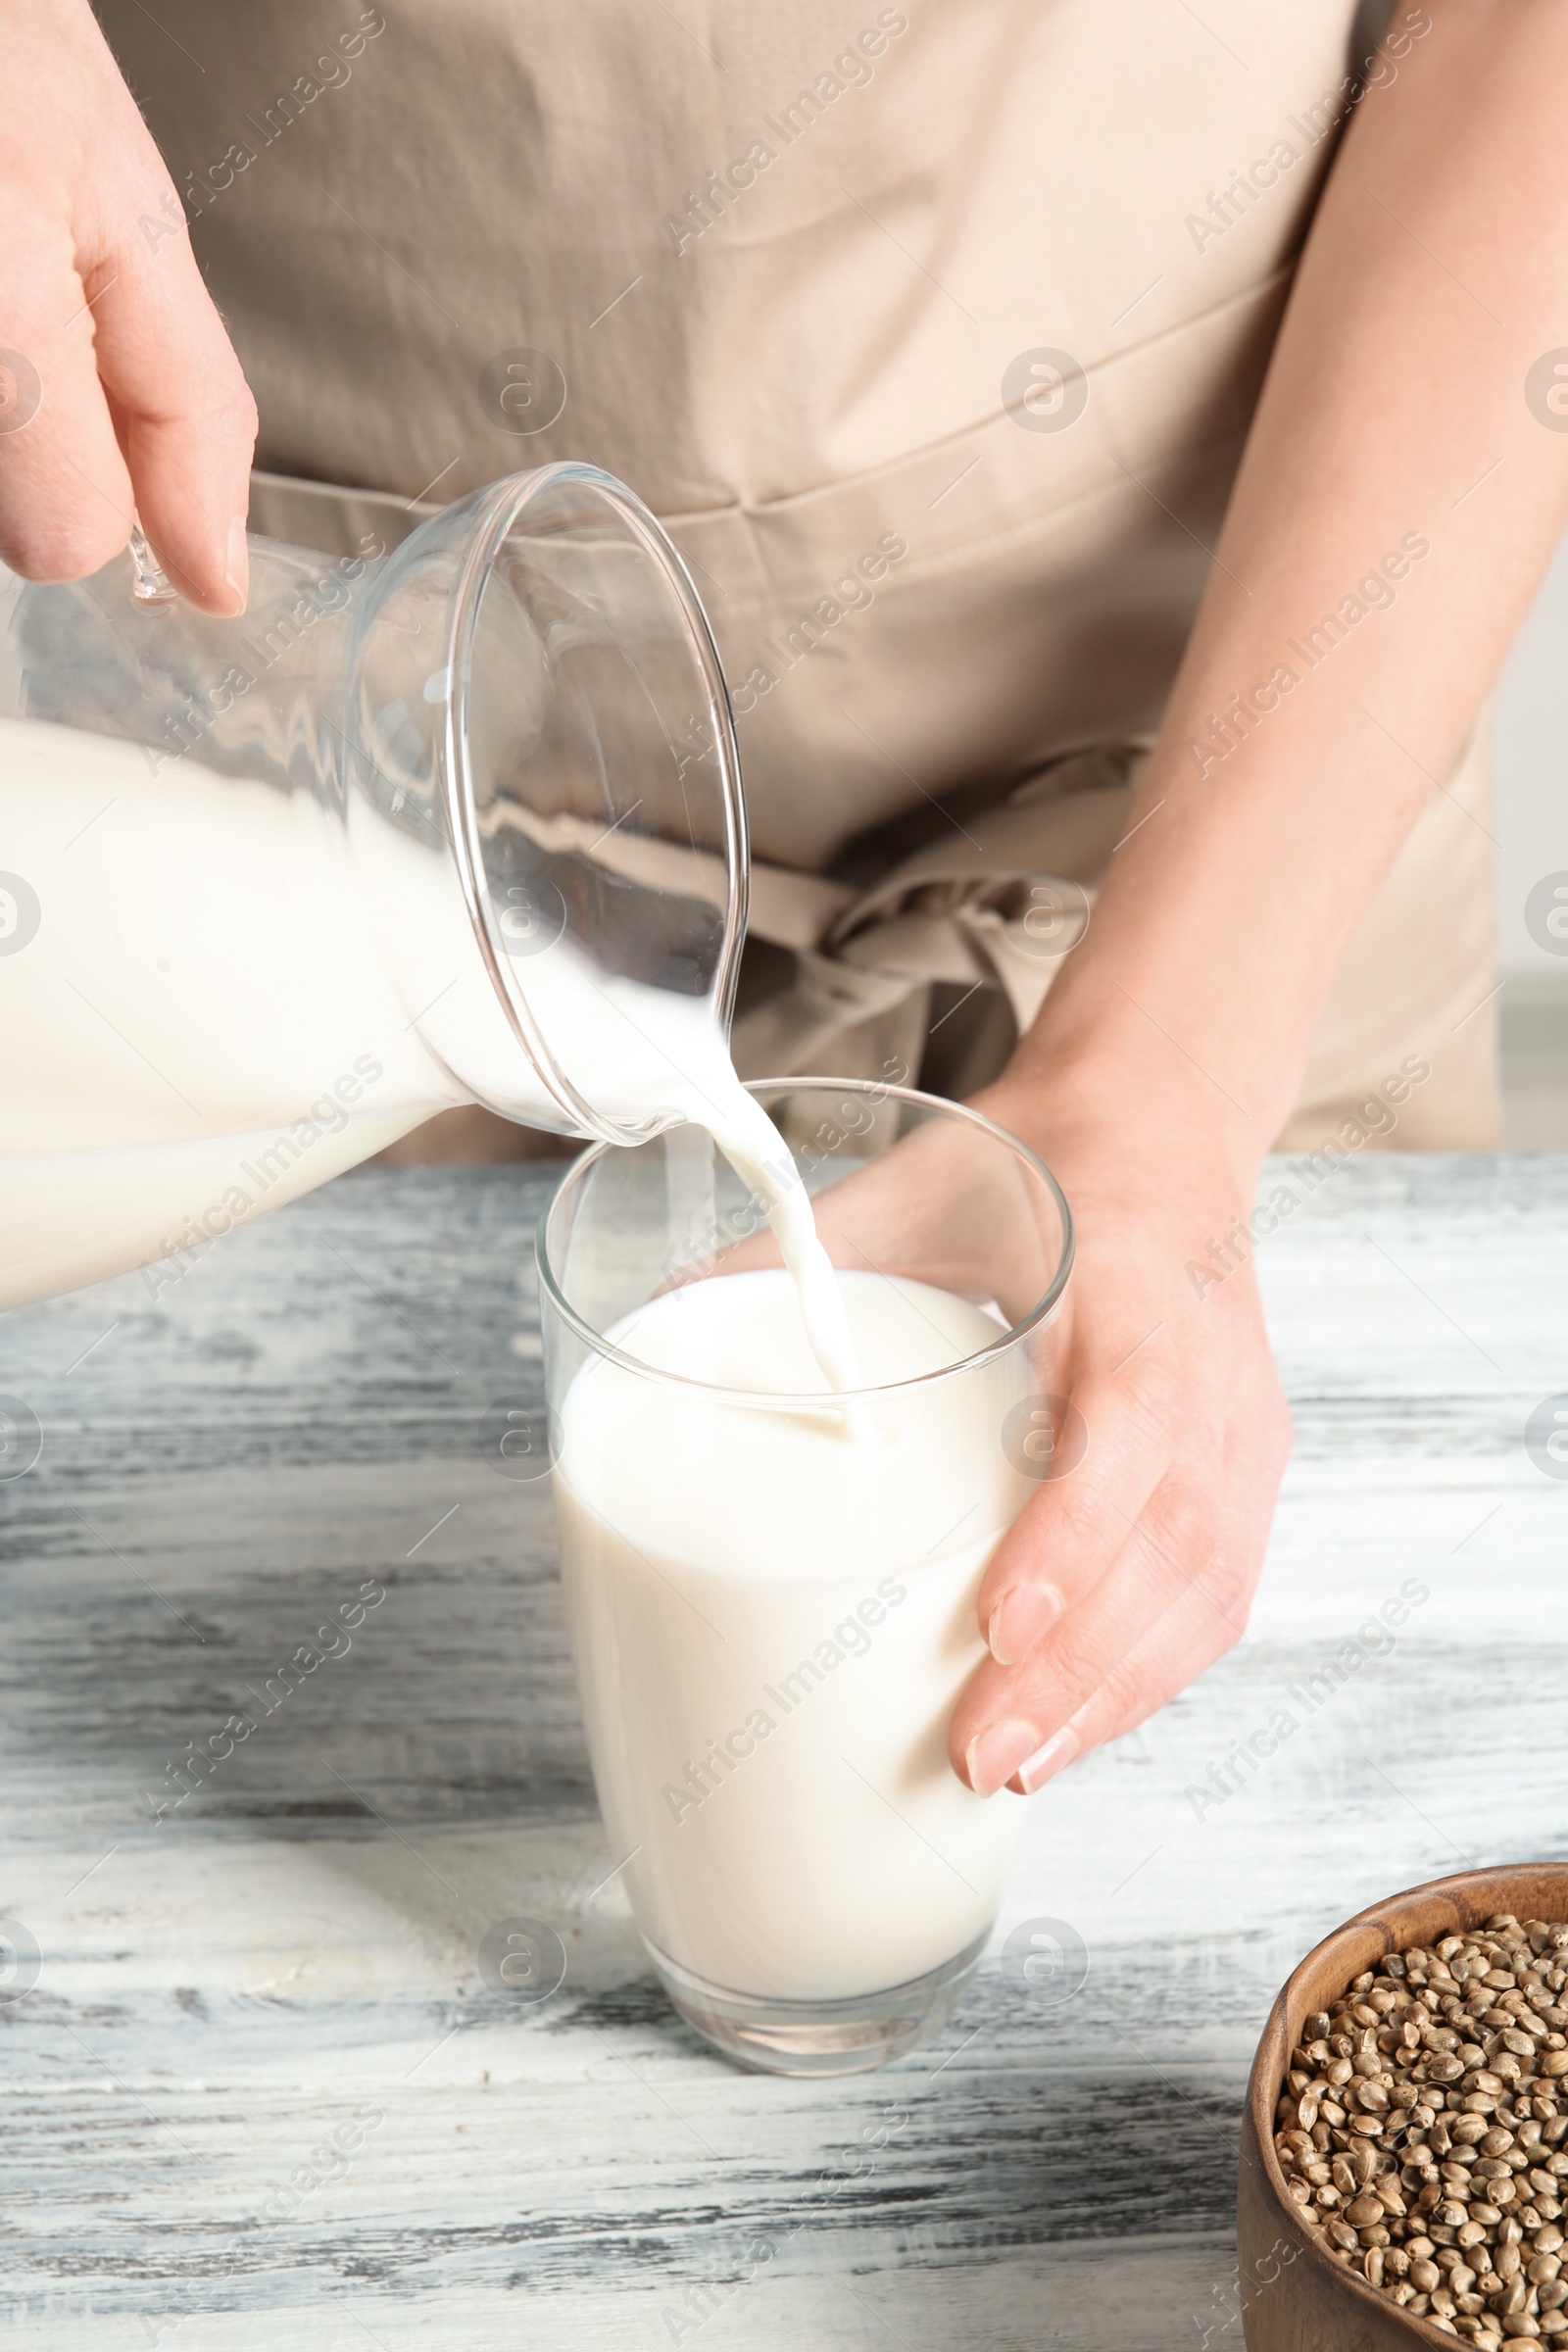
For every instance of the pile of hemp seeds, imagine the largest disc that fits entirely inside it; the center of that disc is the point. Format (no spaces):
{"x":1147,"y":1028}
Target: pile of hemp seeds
{"x":1423,"y":2131}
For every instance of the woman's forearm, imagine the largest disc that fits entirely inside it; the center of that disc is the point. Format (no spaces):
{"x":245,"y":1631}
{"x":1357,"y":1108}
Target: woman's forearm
{"x":1395,"y":471}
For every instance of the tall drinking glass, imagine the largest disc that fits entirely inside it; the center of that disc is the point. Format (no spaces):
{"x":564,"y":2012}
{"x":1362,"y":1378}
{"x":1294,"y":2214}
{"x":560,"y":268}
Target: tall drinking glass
{"x":771,"y":1587}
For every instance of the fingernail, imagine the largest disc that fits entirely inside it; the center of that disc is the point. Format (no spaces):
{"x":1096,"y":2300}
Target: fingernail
{"x":1036,"y":1770}
{"x":994,"y":1754}
{"x":238,"y":573}
{"x":1022,"y":1617}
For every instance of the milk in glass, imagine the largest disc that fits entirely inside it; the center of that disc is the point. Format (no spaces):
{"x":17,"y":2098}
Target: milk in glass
{"x":772,"y":1616}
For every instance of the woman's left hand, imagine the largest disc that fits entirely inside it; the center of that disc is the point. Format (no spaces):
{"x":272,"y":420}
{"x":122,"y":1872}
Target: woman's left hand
{"x":1128,"y":1574}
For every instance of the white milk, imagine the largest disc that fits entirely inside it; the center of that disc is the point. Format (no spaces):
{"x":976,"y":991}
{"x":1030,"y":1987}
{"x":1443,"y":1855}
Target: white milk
{"x":199,"y":1027}
{"x":203,"y":1024}
{"x":771,"y":1624}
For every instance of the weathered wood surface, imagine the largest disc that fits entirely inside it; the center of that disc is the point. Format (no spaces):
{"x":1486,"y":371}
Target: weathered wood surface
{"x":220,"y":1988}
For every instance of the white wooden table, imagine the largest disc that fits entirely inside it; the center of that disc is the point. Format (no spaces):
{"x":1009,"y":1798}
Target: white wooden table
{"x":291,"y":1952}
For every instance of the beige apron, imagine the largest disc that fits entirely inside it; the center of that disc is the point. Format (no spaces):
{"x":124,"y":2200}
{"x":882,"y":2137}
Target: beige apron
{"x":932,"y":332}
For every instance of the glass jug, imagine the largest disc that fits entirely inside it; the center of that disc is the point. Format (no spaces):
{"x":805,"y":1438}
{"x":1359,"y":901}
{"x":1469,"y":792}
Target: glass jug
{"x":458,"y":824}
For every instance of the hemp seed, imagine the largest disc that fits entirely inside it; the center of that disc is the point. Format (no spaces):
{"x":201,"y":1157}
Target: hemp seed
{"x":1423,"y":2132}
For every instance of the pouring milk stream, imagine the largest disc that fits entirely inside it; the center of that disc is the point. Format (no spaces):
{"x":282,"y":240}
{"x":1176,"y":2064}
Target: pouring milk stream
{"x":201,"y":980}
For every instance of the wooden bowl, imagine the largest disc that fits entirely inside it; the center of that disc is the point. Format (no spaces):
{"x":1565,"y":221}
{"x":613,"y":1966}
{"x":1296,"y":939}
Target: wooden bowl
{"x":1296,"y":2297}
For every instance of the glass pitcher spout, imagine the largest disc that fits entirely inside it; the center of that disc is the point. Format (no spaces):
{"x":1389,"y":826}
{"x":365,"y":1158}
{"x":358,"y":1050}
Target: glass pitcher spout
{"x":458,"y":823}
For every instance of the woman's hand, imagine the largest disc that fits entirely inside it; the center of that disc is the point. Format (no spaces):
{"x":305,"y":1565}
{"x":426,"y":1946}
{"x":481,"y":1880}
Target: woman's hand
{"x":1132,"y":1566}
{"x":1127,"y":1575}
{"x":119,"y":393}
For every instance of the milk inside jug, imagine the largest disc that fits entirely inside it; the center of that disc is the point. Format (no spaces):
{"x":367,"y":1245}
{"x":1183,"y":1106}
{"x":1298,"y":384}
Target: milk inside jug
{"x":461,"y":823}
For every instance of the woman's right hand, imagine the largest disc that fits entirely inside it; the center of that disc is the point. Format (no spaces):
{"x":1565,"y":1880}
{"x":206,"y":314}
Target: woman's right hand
{"x":120,"y":397}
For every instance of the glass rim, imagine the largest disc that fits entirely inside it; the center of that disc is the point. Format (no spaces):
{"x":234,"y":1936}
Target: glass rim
{"x":816,"y":1400}
{"x":497,"y":511}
